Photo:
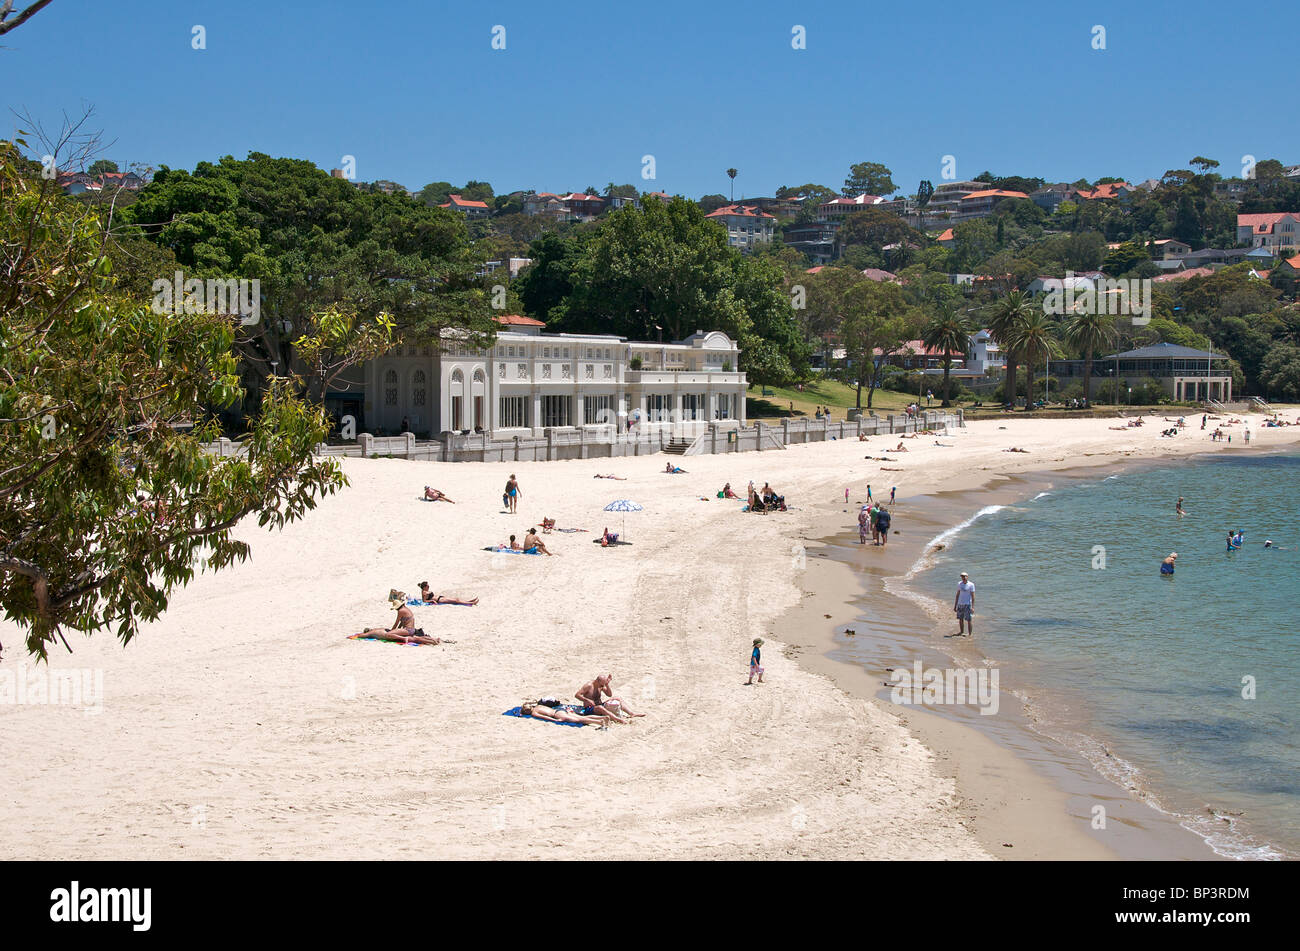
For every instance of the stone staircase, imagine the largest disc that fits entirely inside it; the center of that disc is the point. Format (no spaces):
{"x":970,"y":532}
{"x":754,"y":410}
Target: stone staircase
{"x":678,"y":446}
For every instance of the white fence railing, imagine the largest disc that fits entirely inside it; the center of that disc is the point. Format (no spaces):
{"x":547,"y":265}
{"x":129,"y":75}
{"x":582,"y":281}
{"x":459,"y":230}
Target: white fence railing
{"x":598,"y":442}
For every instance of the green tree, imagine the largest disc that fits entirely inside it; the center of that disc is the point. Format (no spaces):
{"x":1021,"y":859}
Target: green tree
{"x":100,"y":166}
{"x":949,"y":333}
{"x":1089,"y":332}
{"x":108,"y":500}
{"x":1280,"y":373}
{"x":1034,"y":338}
{"x":1004,"y":317}
{"x":870,"y":178}
{"x":731,"y":174}
{"x":877,"y":317}
{"x":665,"y":268}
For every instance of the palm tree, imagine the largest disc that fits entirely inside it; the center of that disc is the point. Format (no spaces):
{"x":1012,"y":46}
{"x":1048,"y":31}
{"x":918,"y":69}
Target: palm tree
{"x":731,"y":174}
{"x":1089,"y":333}
{"x":1035,"y":338}
{"x":948,"y":333}
{"x":1003,"y":317}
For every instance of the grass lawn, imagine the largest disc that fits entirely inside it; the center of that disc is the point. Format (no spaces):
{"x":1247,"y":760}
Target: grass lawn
{"x":840,"y":397}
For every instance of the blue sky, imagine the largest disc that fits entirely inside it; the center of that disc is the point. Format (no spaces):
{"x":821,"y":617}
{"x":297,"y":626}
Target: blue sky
{"x":583,"y":90}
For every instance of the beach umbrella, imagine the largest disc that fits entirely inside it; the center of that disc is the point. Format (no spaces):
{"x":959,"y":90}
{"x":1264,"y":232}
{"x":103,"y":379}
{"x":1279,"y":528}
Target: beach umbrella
{"x":624,"y":506}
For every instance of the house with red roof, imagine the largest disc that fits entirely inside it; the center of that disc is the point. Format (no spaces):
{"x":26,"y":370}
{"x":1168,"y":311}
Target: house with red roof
{"x":583,"y":207}
{"x":470,"y":209}
{"x":1111,"y":191}
{"x":746,"y":226}
{"x":980,"y":204}
{"x":947,"y":239}
{"x":1275,"y":231}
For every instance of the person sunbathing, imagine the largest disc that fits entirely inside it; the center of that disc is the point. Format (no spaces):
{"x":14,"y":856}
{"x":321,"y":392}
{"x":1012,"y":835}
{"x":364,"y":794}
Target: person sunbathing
{"x":613,"y":707}
{"x":727,"y":493}
{"x":900,"y":448}
{"x":673,"y":470}
{"x":547,"y":525}
{"x":1015,"y":449}
{"x":428,"y":597}
{"x":436,"y":495}
{"x":607,"y":539}
{"x":533,"y":543}
{"x":610,"y":476}
{"x":557,"y":714}
{"x":403,"y":631}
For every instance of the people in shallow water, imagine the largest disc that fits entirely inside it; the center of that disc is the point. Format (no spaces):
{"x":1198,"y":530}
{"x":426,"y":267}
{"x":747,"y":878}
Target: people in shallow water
{"x":1234,"y":541}
{"x":1167,"y":566}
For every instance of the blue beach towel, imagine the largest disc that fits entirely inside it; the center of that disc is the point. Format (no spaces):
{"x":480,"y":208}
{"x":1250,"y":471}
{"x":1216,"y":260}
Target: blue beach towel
{"x":417,"y":603}
{"x":513,"y":551}
{"x":514,"y":712}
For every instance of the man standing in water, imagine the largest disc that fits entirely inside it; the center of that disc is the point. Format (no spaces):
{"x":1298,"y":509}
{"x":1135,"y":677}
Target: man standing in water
{"x":964,"y":604}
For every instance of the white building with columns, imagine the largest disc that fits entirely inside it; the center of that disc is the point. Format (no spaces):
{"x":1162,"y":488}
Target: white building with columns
{"x":531,"y":381}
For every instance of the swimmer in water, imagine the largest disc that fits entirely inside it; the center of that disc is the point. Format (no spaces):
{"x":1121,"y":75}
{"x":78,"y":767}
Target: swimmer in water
{"x":1179,"y":507}
{"x":1233,"y":544}
{"x":1167,"y":566}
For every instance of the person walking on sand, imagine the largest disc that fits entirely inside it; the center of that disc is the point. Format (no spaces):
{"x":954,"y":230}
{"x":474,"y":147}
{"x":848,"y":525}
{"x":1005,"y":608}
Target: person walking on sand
{"x":892,"y":490}
{"x":755,"y":662}
{"x":964,"y":604}
{"x":513,"y":492}
{"x":864,"y":522}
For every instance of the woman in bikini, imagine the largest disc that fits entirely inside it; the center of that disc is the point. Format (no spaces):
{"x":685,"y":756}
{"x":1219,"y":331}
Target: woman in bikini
{"x":403,"y":631}
{"x":558,"y":714}
{"x":428,"y":597}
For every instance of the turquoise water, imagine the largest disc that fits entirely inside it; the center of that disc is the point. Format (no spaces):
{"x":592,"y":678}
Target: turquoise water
{"x":1145,"y":674}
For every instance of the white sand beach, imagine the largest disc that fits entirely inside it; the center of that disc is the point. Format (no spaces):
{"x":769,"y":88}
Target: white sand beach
{"x":245,"y":724}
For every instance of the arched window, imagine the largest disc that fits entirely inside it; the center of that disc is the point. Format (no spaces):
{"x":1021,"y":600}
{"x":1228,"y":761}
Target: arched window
{"x":390,"y":388}
{"x":418,"y":387}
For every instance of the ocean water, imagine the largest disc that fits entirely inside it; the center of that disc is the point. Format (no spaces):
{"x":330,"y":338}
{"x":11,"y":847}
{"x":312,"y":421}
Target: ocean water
{"x":1184,"y":688}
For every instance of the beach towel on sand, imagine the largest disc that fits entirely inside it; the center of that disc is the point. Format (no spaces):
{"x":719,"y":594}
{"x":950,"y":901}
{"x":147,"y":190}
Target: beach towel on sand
{"x":513,"y":551}
{"x":417,"y":603}
{"x":514,"y":712}
{"x":364,"y":637}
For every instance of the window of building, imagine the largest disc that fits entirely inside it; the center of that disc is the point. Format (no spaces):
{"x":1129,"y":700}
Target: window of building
{"x":390,"y":388}
{"x":724,"y":406}
{"x":546,"y":352}
{"x":557,"y":410}
{"x":598,"y":409}
{"x":521,"y":371}
{"x":566,"y":371}
{"x":609,"y":371}
{"x":418,"y":386}
{"x":546,"y":371}
{"x":513,"y":412}
{"x":589,"y":371}
{"x":501,"y":371}
{"x":658,"y":407}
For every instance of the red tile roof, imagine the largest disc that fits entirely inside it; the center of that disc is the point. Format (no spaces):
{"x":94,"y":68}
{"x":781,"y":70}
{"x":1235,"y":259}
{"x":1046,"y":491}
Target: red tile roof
{"x":947,"y":236}
{"x":462,"y":203}
{"x":1263,"y":223}
{"x":876,"y":274}
{"x":516,"y":320}
{"x":994,"y":192}
{"x":1109,"y":190}
{"x":739,"y":211}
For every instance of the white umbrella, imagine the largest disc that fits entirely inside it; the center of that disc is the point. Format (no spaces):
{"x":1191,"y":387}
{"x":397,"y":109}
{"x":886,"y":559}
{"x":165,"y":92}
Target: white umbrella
{"x":624,"y":506}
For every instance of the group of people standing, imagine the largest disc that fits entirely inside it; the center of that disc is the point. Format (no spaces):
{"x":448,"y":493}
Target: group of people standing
{"x":876,"y":519}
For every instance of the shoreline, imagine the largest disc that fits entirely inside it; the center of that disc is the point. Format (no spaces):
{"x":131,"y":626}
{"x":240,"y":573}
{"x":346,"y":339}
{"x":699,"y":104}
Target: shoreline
{"x":1056,"y":786}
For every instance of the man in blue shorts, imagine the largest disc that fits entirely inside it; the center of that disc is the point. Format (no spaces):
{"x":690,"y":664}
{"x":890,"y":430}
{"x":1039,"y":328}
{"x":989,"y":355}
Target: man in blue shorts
{"x":964,"y":604}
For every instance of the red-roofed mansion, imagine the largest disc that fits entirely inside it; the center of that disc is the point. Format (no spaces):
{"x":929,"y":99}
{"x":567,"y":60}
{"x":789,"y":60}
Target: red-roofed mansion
{"x":531,"y":381}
